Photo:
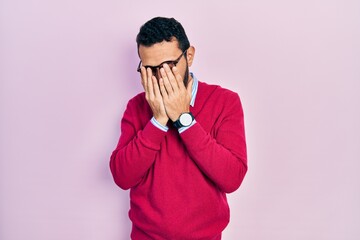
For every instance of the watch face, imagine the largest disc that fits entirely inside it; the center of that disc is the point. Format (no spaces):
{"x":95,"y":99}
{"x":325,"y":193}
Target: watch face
{"x":185,"y":119}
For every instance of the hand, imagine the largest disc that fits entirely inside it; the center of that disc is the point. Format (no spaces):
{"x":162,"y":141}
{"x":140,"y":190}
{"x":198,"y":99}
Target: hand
{"x":175,"y":95}
{"x":153,"y":96}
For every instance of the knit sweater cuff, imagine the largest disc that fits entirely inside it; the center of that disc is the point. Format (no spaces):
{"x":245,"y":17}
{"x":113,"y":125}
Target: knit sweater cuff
{"x":152,"y":136}
{"x":191,"y":135}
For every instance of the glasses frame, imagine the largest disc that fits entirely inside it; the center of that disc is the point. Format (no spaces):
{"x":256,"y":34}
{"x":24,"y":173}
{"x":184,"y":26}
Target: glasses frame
{"x":155,"y":68}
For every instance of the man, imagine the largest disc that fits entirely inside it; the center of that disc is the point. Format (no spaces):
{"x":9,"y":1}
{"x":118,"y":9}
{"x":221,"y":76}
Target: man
{"x":182,"y":144}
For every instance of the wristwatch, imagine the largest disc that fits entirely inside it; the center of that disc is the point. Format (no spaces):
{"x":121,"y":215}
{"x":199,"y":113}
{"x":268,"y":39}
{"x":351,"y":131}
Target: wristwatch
{"x":184,"y":120}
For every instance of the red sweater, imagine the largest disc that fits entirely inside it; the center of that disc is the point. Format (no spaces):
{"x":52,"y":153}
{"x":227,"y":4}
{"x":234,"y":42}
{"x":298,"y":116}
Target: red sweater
{"x":178,"y":181}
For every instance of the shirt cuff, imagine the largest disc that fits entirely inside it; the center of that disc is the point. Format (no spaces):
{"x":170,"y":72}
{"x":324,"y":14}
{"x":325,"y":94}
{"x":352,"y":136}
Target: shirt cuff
{"x":158,"y":125}
{"x":183,"y":129}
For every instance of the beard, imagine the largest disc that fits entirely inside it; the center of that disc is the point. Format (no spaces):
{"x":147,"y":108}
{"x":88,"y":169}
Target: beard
{"x":186,"y":77}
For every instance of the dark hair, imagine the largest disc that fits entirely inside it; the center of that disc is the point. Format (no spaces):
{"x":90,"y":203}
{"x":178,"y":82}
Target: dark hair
{"x":161,"y":29}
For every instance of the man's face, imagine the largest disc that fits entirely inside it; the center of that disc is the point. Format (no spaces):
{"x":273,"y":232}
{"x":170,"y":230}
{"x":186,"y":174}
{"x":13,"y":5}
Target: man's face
{"x":161,"y":52}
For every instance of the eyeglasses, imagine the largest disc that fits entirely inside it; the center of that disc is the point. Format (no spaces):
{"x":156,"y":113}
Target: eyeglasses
{"x":156,"y":68}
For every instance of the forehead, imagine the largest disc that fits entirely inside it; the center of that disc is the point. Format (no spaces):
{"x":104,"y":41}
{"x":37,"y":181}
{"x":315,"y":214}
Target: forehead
{"x":159,"y":52}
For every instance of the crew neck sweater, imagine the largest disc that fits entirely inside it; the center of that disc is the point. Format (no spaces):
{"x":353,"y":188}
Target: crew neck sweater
{"x":178,"y":181}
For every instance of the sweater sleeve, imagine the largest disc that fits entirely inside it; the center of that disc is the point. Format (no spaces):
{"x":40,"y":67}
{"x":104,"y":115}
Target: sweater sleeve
{"x":221,"y":158}
{"x":136,"y":150}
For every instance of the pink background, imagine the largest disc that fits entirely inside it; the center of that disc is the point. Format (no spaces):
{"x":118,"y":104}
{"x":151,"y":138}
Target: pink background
{"x":68,"y":69}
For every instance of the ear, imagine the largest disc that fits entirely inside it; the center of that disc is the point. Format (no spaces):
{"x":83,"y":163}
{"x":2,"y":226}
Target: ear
{"x":190,"y":54}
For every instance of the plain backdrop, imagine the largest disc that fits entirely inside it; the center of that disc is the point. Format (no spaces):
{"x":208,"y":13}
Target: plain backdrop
{"x":68,"y":68}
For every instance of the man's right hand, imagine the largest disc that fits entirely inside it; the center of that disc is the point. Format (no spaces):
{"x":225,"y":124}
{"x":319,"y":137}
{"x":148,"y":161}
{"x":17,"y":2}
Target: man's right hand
{"x":153,"y":96}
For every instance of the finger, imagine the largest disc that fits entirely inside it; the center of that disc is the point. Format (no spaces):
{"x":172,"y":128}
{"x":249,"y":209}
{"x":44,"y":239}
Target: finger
{"x":167,"y":84}
{"x":149,"y":84}
{"x":156,"y":87}
{"x":163,"y":89}
{"x":171,"y":77}
{"x":178,"y":77}
{"x":143,"y":77}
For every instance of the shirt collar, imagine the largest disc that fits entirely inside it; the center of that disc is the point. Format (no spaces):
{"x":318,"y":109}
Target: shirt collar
{"x":194,"y":89}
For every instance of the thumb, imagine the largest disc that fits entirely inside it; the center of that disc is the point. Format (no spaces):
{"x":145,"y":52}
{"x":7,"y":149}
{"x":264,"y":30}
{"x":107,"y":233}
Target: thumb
{"x":189,"y":86}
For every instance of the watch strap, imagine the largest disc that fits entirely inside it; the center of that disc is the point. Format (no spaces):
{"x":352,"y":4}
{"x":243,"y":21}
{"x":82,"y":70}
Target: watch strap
{"x":178,"y":124}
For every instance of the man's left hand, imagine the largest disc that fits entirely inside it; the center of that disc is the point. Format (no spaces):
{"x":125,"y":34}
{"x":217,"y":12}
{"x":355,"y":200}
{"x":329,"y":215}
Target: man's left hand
{"x":175,"y":95}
